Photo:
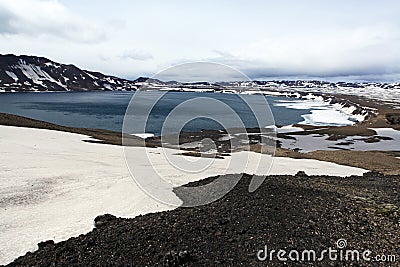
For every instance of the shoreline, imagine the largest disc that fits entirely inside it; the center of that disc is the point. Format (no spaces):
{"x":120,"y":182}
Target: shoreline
{"x":383,"y":161}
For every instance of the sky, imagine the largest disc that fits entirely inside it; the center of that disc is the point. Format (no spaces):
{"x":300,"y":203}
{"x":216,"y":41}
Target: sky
{"x":320,"y":39}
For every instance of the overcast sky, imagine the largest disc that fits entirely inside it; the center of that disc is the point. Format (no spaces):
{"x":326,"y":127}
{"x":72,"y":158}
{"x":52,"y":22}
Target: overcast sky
{"x":324,"y":39}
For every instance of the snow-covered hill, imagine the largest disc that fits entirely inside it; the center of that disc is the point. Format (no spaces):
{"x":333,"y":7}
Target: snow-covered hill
{"x":30,"y":73}
{"x":385,"y":92}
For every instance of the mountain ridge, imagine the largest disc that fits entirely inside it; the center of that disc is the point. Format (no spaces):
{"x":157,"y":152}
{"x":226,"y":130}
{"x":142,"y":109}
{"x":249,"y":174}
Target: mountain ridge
{"x":33,"y":73}
{"x":26,"y":73}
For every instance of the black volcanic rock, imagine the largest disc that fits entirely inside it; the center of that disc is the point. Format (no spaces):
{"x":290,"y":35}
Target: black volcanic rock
{"x":31,"y":73}
{"x":152,"y":81}
{"x":103,"y":220}
{"x":44,"y":244}
{"x":286,"y":212}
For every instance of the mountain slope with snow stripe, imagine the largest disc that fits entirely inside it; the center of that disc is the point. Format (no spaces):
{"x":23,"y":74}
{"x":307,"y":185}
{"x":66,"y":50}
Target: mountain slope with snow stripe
{"x":30,"y":73}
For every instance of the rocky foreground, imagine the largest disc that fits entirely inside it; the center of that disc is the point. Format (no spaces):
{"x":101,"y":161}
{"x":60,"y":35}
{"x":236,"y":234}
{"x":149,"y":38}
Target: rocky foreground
{"x":286,"y":212}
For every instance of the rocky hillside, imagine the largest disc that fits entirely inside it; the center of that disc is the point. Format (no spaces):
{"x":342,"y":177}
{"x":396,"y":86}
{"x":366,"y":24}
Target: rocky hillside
{"x":31,"y":73}
{"x":286,"y":212}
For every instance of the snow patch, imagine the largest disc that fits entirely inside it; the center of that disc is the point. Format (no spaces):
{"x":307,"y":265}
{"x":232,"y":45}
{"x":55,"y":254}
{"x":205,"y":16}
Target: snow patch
{"x":12,"y":75}
{"x":144,"y":135}
{"x":91,"y":76}
{"x":326,"y":117}
{"x":63,"y":197}
{"x":107,"y":86}
{"x":289,"y":129}
{"x":37,"y":75}
{"x":322,"y":112}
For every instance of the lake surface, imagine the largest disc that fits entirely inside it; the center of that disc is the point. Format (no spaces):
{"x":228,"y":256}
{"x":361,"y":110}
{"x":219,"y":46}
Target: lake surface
{"x":106,"y":110}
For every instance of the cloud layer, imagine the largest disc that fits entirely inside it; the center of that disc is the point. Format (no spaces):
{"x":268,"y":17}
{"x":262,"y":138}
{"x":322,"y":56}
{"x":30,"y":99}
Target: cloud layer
{"x":136,"y":55}
{"x":37,"y":18}
{"x":368,"y":52}
{"x":264,"y":39}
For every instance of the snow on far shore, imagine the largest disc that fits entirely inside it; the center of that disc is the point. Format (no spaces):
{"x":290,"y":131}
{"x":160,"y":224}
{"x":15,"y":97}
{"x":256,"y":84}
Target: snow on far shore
{"x":53,"y":184}
{"x":371,"y":91}
{"x":327,"y":117}
{"x":144,"y":135}
{"x":289,"y":129}
{"x":340,"y":114}
{"x":322,"y":113}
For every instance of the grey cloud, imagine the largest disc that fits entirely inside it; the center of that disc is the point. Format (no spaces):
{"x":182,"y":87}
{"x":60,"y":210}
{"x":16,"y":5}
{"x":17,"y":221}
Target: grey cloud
{"x":104,"y":57}
{"x":64,"y":25}
{"x":366,"y":71}
{"x":259,"y":69}
{"x":6,"y":18}
{"x":136,"y":55}
{"x":200,"y":71}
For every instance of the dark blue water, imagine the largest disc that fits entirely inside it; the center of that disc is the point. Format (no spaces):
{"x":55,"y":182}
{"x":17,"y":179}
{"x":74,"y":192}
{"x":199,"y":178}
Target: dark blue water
{"x":106,"y":110}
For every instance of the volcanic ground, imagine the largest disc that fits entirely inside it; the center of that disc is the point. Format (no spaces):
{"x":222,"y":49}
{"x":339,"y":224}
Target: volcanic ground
{"x":286,"y":212}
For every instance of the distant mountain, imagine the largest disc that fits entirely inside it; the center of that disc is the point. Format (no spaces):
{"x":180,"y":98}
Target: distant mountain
{"x":31,"y":73}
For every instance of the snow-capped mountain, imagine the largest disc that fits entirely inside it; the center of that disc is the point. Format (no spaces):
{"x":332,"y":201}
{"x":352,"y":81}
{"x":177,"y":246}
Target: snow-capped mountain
{"x":31,"y":73}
